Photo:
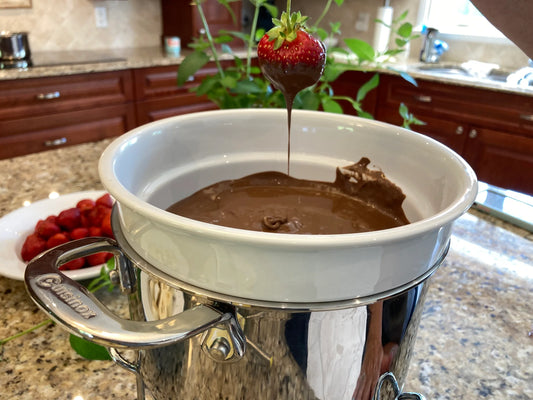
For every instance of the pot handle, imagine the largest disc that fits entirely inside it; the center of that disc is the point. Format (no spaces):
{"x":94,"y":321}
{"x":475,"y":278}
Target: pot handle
{"x":398,"y":394}
{"x":73,"y":306}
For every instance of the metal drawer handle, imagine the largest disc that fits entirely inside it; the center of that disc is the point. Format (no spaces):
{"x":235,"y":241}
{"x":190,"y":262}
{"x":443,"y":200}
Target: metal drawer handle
{"x":48,"y":96}
{"x":459,"y":131}
{"x":55,"y":142}
{"x":472,"y":134}
{"x":422,"y":98}
{"x":527,"y":117}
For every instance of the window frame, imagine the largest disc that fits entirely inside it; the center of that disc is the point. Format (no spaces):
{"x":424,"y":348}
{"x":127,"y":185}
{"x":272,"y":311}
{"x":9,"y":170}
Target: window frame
{"x":483,"y":31}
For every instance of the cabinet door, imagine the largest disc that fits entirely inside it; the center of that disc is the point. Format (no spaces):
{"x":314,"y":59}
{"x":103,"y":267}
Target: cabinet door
{"x":501,"y":159}
{"x":449,"y":133}
{"x":153,"y":110}
{"x":181,"y":18}
{"x":158,"y":95}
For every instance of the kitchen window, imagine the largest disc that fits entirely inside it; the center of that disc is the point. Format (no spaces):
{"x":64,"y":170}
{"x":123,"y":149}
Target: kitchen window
{"x":458,"y":18}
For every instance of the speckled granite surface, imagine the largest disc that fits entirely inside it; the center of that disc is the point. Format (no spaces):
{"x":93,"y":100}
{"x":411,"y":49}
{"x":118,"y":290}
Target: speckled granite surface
{"x":119,"y":59}
{"x":474,"y":340}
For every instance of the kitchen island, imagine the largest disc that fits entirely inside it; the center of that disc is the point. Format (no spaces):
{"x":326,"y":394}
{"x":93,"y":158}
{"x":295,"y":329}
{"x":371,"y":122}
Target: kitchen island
{"x":475,"y":339}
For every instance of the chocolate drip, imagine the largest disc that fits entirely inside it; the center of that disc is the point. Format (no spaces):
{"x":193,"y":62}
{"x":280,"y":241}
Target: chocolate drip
{"x":291,"y":79}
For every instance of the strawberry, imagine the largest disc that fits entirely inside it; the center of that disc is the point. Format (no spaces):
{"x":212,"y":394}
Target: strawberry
{"x":79,"y":233}
{"x":74,"y":264}
{"x":69,"y":219}
{"x":33,"y":245}
{"x":46,"y":229}
{"x":98,"y":258}
{"x":289,"y":57}
{"x":57,"y":239}
{"x":105,"y":200}
{"x":85,"y":205}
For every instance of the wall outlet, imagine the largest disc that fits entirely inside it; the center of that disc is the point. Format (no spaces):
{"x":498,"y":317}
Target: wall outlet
{"x":363,"y":19}
{"x":100,"y":16}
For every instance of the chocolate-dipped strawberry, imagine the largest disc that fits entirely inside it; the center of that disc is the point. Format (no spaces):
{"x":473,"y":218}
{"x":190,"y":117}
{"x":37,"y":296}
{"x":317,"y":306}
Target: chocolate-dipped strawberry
{"x":289,"y":57}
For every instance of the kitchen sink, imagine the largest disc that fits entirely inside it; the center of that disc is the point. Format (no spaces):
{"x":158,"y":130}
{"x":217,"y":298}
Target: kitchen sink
{"x":457,"y":70}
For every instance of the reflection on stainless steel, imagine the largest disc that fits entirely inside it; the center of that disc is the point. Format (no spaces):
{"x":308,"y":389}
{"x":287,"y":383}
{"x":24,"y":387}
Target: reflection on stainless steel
{"x":338,"y":354}
{"x":508,"y":205}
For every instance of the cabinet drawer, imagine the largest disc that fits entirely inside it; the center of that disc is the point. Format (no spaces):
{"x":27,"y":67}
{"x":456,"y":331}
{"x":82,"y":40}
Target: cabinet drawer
{"x":36,"y":134}
{"x":23,"y":98}
{"x":156,"y":82}
{"x":153,"y":110}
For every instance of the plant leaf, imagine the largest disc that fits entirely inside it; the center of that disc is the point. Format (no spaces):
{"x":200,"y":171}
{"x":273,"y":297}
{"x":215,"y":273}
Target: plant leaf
{"x":367,"y":87}
{"x":88,"y":350}
{"x":190,"y":65}
{"x":272,"y":10}
{"x":239,"y":35}
{"x":228,"y":81}
{"x":331,"y":105}
{"x":408,"y":78}
{"x":322,"y":34}
{"x":405,"y":30}
{"x":247,"y":87}
{"x":307,"y":100}
{"x":362,"y":49}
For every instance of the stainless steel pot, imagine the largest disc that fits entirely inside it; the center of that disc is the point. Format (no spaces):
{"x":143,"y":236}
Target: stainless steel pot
{"x":193,"y":344}
{"x":14,"y":46}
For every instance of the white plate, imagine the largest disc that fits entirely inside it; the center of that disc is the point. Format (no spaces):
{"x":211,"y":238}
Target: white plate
{"x":17,"y":225}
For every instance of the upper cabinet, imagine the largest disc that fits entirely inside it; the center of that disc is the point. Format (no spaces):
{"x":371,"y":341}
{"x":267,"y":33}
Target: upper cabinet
{"x":181,"y":18}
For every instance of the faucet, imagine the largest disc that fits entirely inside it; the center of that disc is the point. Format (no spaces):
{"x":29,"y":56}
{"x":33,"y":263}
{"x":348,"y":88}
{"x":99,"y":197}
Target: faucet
{"x":432,"y":48}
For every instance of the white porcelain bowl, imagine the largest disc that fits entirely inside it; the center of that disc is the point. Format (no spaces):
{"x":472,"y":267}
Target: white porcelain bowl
{"x":157,"y":164}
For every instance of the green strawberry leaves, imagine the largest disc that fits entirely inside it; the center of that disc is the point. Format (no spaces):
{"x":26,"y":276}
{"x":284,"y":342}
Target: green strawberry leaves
{"x":286,"y":28}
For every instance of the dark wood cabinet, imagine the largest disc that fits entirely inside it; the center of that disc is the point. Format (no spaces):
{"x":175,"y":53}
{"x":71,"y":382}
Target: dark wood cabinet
{"x":181,"y":18}
{"x":492,"y":130}
{"x":501,"y":158}
{"x":158,"y":95}
{"x":37,"y":114}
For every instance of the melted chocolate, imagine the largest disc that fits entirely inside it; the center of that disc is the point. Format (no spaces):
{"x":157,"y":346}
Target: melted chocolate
{"x":359,"y":200}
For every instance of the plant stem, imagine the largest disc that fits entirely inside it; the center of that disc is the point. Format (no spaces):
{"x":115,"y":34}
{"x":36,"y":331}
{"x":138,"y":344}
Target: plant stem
{"x":324,"y":12}
{"x":209,"y":37}
{"x":251,"y":40}
{"x":33,"y":328}
{"x":289,"y":7}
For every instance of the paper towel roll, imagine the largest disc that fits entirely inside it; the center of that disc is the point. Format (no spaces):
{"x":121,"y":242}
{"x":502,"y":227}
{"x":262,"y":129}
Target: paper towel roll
{"x":381,"y":32}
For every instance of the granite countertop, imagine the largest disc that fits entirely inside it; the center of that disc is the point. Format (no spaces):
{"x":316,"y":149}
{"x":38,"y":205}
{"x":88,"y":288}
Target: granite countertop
{"x":475,"y":339}
{"x":78,"y":62}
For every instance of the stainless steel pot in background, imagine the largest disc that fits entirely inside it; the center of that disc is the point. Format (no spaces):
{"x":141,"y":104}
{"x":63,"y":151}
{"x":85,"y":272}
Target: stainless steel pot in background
{"x":14,"y":46}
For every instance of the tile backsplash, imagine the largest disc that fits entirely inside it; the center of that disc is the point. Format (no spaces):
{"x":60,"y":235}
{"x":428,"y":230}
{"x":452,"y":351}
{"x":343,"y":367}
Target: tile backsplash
{"x":55,"y":25}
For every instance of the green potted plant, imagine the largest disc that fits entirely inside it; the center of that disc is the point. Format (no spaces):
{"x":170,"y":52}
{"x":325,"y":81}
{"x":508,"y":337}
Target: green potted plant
{"x":242,"y":84}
